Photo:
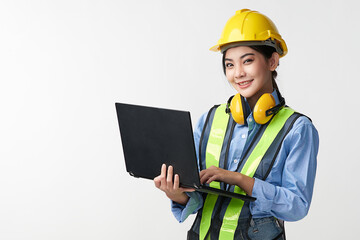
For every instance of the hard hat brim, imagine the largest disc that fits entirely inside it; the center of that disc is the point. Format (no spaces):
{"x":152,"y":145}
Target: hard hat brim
{"x":268,"y":42}
{"x":215,"y":48}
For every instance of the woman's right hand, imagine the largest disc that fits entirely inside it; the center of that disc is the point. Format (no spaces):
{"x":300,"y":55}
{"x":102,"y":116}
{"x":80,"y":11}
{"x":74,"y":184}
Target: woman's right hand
{"x":172,"y":189}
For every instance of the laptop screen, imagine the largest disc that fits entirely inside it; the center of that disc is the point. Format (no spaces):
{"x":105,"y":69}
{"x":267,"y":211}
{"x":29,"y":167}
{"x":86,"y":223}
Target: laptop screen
{"x":153,"y":136}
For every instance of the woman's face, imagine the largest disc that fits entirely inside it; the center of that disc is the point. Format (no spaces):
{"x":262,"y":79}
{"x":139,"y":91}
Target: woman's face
{"x":249,"y":72}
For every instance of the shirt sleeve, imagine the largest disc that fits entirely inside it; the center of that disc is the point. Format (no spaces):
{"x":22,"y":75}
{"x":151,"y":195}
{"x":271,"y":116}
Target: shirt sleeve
{"x":182,"y":212}
{"x":290,"y":198}
{"x":195,"y":202}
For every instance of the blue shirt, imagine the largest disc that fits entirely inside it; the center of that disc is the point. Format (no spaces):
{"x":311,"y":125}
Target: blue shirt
{"x":287,"y":191}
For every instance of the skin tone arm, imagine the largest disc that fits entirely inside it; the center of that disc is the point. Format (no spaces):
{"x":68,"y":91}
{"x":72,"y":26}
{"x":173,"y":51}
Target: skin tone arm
{"x":233,"y":178}
{"x":172,"y":189}
{"x":177,"y":194}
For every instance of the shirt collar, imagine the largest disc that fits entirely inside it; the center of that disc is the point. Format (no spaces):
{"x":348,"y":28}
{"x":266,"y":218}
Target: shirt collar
{"x":276,"y":97}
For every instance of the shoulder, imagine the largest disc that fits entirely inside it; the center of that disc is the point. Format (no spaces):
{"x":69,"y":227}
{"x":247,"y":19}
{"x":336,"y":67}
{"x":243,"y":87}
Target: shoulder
{"x":302,"y":133}
{"x":205,"y":118}
{"x":201,"y":122}
{"x":303,"y":123}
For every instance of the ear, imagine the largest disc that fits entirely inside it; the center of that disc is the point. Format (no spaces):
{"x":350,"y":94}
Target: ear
{"x":274,"y":61}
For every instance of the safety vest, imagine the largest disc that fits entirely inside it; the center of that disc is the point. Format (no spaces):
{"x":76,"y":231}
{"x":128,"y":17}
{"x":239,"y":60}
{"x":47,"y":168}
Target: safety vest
{"x":221,"y":217}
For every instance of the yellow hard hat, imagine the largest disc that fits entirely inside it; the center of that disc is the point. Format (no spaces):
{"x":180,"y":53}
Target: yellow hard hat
{"x":249,"y":28}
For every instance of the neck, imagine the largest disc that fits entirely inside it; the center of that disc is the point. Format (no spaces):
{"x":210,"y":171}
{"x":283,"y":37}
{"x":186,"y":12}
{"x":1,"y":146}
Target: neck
{"x":253,"y":99}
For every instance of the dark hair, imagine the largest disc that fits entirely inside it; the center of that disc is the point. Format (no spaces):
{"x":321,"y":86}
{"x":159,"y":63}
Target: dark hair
{"x":267,"y":52}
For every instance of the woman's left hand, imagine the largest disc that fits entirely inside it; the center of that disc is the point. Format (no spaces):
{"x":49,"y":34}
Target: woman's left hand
{"x":233,"y":178}
{"x":218,"y":174}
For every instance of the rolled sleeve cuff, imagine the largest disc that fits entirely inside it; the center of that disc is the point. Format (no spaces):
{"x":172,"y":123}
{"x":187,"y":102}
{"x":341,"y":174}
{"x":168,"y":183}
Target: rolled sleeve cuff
{"x":264,"y":193}
{"x":181,"y":212}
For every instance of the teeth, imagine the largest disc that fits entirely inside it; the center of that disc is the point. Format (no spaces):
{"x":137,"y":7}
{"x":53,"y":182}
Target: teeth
{"x":244,"y":83}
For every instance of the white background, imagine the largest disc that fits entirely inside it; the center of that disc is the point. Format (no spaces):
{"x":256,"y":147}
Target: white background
{"x":63,"y":65}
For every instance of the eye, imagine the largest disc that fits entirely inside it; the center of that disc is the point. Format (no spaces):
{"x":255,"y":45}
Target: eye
{"x":229,"y":65}
{"x":249,"y":60}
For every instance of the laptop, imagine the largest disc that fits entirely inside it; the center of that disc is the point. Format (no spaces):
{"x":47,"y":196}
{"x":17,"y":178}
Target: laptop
{"x":152,"y":136}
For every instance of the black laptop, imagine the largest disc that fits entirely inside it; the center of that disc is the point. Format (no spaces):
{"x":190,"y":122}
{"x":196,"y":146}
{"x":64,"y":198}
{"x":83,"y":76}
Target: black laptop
{"x":153,"y":136}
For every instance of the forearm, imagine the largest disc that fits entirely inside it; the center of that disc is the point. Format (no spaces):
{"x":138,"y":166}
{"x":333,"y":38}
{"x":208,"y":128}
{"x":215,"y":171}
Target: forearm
{"x":287,"y":203}
{"x":180,"y":199}
{"x":244,"y":182}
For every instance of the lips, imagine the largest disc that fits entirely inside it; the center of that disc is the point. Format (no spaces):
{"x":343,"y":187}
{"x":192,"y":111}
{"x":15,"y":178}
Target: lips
{"x":245,"y":84}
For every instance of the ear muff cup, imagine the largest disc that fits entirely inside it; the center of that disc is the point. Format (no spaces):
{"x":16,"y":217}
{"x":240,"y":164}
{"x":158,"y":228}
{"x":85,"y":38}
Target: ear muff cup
{"x":237,"y":109}
{"x":264,"y":103}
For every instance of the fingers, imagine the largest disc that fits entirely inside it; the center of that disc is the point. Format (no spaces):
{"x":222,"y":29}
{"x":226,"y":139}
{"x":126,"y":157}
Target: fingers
{"x":165,"y":180}
{"x":206,"y":172}
{"x":177,"y":185}
{"x":169,"y":178}
{"x":168,"y":182}
{"x":201,"y":175}
{"x":163,"y":176}
{"x":213,"y":178}
{"x":160,"y":180}
{"x":176,"y":182}
{"x":211,"y":174}
{"x":204,"y":176}
{"x":187,"y":189}
{"x":202,"y":172}
{"x":157,"y":181}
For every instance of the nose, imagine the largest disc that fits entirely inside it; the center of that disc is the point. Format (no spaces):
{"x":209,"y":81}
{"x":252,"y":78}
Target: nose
{"x":239,"y":71}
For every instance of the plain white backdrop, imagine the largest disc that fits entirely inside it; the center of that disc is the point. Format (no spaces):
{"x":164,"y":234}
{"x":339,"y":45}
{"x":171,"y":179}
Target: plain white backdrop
{"x":63,"y":65}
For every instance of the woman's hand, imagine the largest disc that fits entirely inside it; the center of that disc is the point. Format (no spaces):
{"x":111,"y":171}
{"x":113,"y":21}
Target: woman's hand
{"x":172,"y":189}
{"x":233,"y":178}
{"x":218,"y":174}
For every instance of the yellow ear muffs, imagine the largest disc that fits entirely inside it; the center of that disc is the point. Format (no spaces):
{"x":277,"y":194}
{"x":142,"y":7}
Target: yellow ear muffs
{"x":237,"y":109}
{"x":264,"y":108}
{"x":264,"y":103}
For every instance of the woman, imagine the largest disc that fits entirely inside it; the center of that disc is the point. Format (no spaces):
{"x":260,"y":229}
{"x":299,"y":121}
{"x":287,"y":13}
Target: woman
{"x":253,"y":145}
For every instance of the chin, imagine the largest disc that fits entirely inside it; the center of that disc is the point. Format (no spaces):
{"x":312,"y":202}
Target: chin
{"x":246,"y":93}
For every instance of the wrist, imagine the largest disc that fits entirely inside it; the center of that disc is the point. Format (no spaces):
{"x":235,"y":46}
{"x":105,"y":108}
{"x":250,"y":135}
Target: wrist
{"x":181,"y":199}
{"x":235,"y":178}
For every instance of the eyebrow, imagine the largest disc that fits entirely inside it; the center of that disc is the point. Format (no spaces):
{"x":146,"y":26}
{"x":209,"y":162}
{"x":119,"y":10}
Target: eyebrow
{"x":246,"y":54}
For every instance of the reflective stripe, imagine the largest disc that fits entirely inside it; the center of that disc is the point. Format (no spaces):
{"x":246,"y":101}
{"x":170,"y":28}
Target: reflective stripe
{"x":208,"y":208}
{"x":216,"y":137}
{"x":234,"y":208}
{"x":267,"y":138}
{"x":213,"y":151}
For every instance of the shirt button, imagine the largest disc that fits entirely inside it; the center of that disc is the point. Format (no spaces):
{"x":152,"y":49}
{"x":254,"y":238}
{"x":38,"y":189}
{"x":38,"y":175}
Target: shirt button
{"x":236,"y":161}
{"x":243,"y":136}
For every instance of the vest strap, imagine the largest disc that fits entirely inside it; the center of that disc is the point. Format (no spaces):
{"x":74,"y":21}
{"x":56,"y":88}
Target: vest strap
{"x":213,"y":151}
{"x":234,"y":208}
{"x":216,"y":138}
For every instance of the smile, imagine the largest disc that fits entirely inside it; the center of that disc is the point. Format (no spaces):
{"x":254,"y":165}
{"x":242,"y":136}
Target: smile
{"x":244,"y":83}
